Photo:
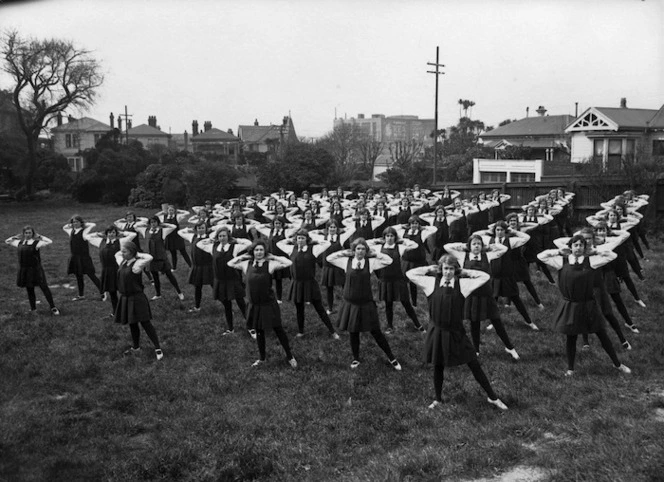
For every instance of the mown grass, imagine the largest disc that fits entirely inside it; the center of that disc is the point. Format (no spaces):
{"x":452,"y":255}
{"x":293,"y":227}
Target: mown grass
{"x":73,"y":408}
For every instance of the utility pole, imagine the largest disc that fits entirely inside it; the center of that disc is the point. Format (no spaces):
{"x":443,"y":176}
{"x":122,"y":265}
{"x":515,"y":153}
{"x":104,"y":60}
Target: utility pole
{"x":437,"y":65}
{"x":127,"y":123}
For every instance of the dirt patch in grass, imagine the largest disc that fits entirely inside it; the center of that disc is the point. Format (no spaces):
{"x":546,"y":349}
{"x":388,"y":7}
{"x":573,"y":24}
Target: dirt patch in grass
{"x":521,"y":473}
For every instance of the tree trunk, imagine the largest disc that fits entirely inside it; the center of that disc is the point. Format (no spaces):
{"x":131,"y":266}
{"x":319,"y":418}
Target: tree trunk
{"x":32,"y":167}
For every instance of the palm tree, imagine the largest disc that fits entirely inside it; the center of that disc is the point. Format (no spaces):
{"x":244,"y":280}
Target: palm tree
{"x":461,"y":101}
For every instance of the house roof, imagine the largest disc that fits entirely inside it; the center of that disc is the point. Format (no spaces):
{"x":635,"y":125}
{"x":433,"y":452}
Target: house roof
{"x":83,"y":124}
{"x":552,"y":125}
{"x":252,"y":133}
{"x":532,"y":143}
{"x":657,"y":121}
{"x":146,"y":130}
{"x":214,"y":134}
{"x":626,"y":118}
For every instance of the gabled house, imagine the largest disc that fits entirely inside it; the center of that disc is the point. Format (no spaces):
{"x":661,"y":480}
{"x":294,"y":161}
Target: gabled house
{"x":77,"y":135}
{"x":543,"y":135}
{"x":215,"y":141}
{"x":609,"y":134}
{"x":257,"y":138}
{"x":149,"y":134}
{"x":543,"y":143}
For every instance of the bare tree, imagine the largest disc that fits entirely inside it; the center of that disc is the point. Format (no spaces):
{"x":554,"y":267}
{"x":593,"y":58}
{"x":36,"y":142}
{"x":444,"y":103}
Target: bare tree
{"x":404,"y":153}
{"x":369,"y":150}
{"x":49,"y":76}
{"x":342,"y":144}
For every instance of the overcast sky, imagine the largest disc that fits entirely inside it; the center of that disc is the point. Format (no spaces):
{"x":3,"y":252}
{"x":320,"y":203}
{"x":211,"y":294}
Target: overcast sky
{"x":231,"y":62}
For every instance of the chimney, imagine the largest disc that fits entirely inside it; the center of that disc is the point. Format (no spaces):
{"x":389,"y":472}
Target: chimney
{"x":152,"y":121}
{"x":120,"y":123}
{"x":360,"y":116}
{"x":527,"y":111}
{"x":70,"y":118}
{"x":623,"y":102}
{"x":60,"y":118}
{"x":255,"y":122}
{"x":194,"y":128}
{"x":541,"y":111}
{"x":207,"y":125}
{"x":186,"y":141}
{"x":230,"y":131}
{"x":112,"y":119}
{"x":576,"y":109}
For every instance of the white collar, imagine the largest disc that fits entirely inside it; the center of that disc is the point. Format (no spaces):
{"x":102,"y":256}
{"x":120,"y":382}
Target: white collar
{"x":573,"y":259}
{"x":443,"y":281}
{"x":303,"y":249}
{"x":358,"y":262}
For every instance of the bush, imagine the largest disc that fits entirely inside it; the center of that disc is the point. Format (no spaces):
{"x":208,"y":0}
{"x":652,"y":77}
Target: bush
{"x":158,"y":184}
{"x":208,"y":180}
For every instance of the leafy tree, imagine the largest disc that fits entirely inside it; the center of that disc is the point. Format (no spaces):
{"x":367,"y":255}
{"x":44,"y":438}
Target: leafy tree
{"x":157,"y":184}
{"x":302,"y":166}
{"x":515,"y":152}
{"x":208,"y":180}
{"x":407,"y":168}
{"x":506,"y":121}
{"x":48,"y":77}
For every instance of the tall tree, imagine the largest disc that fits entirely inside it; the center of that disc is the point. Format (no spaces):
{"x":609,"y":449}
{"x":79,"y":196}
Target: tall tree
{"x":369,"y":150}
{"x":342,"y":144}
{"x":49,"y":76}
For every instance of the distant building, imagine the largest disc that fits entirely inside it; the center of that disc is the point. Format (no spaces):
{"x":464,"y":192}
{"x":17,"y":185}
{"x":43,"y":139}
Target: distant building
{"x":391,"y":129}
{"x":215,"y":141}
{"x":9,"y":125}
{"x":268,"y":138}
{"x":75,"y":136}
{"x":609,"y":134}
{"x":545,"y":148}
{"x":149,"y":134}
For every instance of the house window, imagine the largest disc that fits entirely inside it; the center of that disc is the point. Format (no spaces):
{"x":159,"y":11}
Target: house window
{"x":494,"y":177}
{"x":75,"y":163}
{"x":522,"y":177}
{"x":658,"y":147}
{"x":71,"y":140}
{"x":97,"y":138}
{"x":598,"y":149}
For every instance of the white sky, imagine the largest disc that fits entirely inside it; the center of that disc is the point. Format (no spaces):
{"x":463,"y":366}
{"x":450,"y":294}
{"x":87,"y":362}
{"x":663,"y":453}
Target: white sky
{"x":230,"y":62}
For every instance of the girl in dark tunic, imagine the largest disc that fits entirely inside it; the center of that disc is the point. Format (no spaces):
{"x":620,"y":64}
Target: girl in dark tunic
{"x":155,"y":235}
{"x":129,"y":224}
{"x":521,"y":270}
{"x":201,"y":270}
{"x":446,"y":343}
{"x":502,"y":269}
{"x":417,"y":257}
{"x":228,"y":285}
{"x":133,"y":306}
{"x":30,"y":270}
{"x":363,"y":224}
{"x":481,"y":305}
{"x":458,"y":225}
{"x":263,"y":312}
{"x":275,"y":232}
{"x":539,"y":237}
{"x":109,"y":242}
{"x":358,"y":312}
{"x":578,"y":312}
{"x":392,"y":282}
{"x":331,"y":276}
{"x":304,"y":287}
{"x":175,"y":243}
{"x":80,"y":262}
{"x":437,"y":219}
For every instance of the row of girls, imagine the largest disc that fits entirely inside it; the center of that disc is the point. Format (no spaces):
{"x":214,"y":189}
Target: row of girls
{"x":403,"y":231}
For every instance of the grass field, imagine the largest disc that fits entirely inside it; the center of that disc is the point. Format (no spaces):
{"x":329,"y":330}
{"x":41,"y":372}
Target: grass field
{"x":73,"y":408}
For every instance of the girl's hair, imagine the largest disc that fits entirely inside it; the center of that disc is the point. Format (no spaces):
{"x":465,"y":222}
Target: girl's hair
{"x":473,"y":238}
{"x":170,"y":206}
{"x":216,"y":232}
{"x":415,"y":219}
{"x":111,"y":228}
{"x":238,"y":215}
{"x":390,"y":230}
{"x":303,"y":232}
{"x":587,"y":230}
{"x":154,"y":218}
{"x":130,"y":213}
{"x":25,"y":228}
{"x":450,"y":260}
{"x":201,"y":223}
{"x":511,"y":216}
{"x":499,"y":224}
{"x":131,"y":247}
{"x":332,"y":222}
{"x":576,"y":238}
{"x":255,"y":244}
{"x":601,"y":224}
{"x":357,"y":242}
{"x":77,"y":217}
{"x":364,"y":212}
{"x":278,"y":219}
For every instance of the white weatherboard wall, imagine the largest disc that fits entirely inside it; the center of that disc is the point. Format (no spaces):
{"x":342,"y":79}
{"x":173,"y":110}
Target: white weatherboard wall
{"x":508,"y":166}
{"x":582,"y":147}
